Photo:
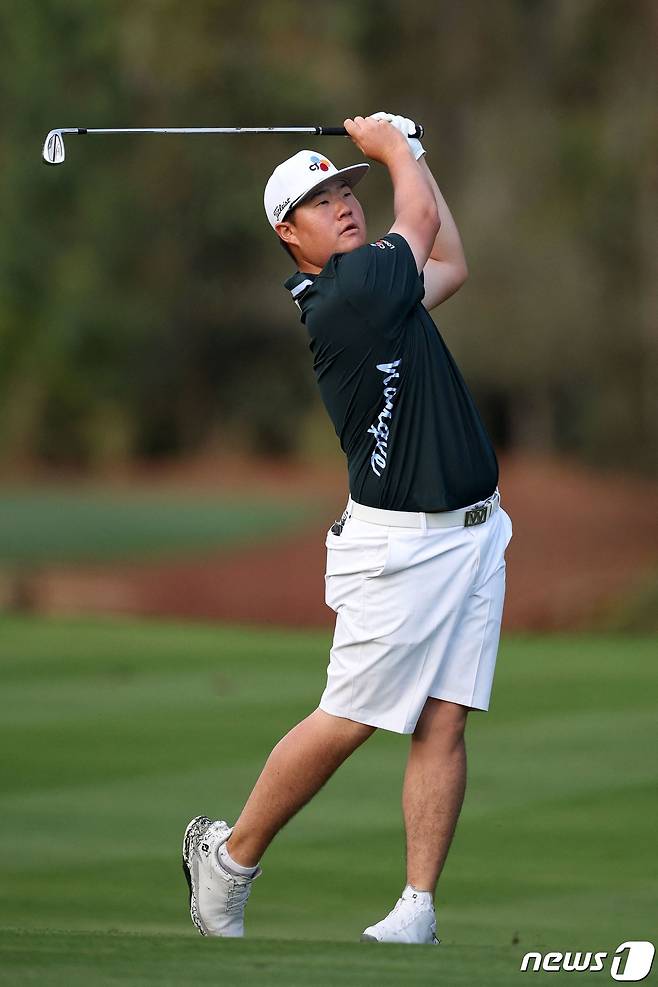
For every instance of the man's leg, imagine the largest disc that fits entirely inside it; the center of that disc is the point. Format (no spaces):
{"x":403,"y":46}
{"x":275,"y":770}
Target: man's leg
{"x":296,"y":769}
{"x":433,"y":792}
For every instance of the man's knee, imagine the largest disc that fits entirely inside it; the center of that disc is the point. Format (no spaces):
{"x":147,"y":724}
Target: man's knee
{"x":351,"y":732}
{"x":443,"y":720}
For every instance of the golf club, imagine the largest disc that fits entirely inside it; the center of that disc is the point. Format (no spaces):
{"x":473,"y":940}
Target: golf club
{"x":54,"y":152}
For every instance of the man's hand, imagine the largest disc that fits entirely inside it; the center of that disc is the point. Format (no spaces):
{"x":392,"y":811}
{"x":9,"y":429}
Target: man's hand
{"x":406,"y":127}
{"x":377,"y":139}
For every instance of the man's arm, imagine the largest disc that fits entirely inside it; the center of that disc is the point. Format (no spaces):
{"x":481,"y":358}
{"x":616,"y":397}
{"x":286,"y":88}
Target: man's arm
{"x":414,"y":203}
{"x":445,"y":270}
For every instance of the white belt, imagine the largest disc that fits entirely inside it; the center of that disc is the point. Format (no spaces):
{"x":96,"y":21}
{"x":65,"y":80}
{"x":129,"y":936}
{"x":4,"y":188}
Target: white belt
{"x":465,"y":517}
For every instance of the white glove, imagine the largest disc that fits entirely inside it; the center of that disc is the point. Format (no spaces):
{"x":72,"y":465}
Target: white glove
{"x":406,"y":127}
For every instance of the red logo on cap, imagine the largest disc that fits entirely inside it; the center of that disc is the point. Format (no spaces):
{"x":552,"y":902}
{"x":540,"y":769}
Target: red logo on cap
{"x":318,"y":164}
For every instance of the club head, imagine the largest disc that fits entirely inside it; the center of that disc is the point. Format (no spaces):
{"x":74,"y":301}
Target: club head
{"x":53,"y":148}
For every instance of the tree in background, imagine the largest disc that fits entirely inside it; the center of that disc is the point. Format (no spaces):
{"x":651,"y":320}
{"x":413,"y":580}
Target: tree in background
{"x":141,"y":308}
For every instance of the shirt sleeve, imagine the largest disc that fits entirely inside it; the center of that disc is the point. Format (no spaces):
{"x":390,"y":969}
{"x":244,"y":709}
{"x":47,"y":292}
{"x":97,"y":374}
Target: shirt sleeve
{"x":381,"y":280}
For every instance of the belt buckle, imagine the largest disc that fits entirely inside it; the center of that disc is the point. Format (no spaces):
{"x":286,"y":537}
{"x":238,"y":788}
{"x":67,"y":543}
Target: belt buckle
{"x":477,"y":515}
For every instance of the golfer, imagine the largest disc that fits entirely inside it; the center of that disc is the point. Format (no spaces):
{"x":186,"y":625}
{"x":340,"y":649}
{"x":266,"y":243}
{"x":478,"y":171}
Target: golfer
{"x":415,"y":566}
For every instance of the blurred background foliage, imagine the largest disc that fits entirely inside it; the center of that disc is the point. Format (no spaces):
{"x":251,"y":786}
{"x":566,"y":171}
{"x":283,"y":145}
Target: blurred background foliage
{"x":142,"y":313}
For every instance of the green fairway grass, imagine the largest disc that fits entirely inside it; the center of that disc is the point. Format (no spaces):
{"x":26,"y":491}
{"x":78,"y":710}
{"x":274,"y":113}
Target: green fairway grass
{"x":115,"y":733}
{"x":93,"y":525}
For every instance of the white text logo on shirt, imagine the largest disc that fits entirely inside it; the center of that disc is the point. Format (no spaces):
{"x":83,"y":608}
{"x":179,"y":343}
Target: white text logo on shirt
{"x":383,"y":244}
{"x":381,"y":428}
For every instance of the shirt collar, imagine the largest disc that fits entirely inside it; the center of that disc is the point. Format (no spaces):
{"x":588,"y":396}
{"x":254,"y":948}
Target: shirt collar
{"x":298,"y":284}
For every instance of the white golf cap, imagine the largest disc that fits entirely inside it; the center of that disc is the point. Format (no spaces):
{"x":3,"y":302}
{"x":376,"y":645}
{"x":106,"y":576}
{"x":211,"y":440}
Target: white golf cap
{"x":294,"y":178}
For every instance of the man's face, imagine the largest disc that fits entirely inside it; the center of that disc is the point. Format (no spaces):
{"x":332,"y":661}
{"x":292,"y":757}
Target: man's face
{"x":328,"y":221}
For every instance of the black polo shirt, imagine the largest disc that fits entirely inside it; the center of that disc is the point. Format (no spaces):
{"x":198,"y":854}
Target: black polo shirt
{"x":406,"y":420}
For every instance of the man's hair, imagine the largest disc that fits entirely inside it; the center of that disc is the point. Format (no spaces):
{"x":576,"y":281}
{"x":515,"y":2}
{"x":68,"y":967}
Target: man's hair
{"x":288,"y":215}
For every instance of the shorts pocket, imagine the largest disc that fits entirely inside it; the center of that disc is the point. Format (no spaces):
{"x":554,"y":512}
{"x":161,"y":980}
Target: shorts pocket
{"x":509,"y":526}
{"x":361,"y":547}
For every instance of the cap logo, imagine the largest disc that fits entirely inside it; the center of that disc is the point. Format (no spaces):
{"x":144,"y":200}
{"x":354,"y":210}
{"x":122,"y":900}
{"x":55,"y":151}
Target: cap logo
{"x":281,"y":206}
{"x":318,"y":164}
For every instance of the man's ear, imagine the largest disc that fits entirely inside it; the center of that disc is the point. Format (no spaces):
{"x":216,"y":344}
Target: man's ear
{"x":287,"y":233}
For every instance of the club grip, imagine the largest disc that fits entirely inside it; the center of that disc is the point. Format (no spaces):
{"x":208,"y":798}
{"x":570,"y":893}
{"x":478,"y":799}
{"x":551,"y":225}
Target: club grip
{"x":419,"y":132}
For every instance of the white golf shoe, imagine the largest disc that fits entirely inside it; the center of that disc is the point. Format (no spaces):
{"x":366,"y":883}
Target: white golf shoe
{"x":411,"y":921}
{"x":217,"y":898}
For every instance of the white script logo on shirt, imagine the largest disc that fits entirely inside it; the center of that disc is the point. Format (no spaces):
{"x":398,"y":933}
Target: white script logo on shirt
{"x":381,"y":428}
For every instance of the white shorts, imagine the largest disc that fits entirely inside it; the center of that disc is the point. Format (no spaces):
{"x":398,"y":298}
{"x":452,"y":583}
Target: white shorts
{"x":418,"y":614}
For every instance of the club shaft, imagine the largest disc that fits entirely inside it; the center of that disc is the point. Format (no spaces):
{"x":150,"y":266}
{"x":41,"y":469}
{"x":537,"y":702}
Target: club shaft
{"x":317,"y":130}
{"x":199,"y":130}
{"x":54,"y":152}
